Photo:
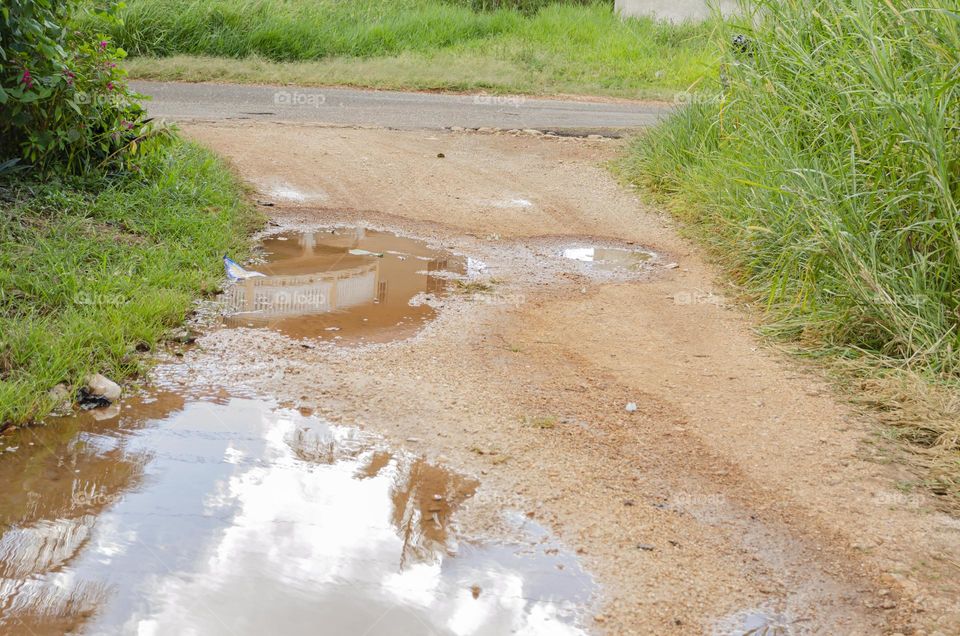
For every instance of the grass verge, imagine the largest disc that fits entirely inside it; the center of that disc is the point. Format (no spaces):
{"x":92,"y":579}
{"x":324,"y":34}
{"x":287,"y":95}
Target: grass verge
{"x":92,"y":270}
{"x":825,"y":172}
{"x":414,"y":44}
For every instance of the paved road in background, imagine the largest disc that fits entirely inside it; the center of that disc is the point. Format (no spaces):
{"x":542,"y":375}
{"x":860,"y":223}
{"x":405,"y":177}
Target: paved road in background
{"x":341,"y":106}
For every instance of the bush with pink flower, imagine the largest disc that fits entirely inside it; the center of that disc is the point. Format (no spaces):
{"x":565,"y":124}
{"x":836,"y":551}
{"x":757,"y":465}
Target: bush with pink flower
{"x":64,"y":103}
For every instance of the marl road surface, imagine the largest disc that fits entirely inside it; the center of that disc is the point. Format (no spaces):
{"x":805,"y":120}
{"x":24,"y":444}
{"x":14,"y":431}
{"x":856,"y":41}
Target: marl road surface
{"x":709,"y":484}
{"x":388,"y":109}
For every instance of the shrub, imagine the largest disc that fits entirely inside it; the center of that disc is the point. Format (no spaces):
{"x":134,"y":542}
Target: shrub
{"x":64,"y":104}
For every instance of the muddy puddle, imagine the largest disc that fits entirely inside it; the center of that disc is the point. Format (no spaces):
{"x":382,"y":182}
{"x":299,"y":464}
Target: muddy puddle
{"x":609,"y":258}
{"x":225,"y":515}
{"x":343,"y":284}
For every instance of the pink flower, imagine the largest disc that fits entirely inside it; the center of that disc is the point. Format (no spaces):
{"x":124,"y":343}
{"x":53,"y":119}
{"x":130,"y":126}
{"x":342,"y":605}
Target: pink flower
{"x":103,"y":44}
{"x":27,"y":79}
{"x":109,"y":86}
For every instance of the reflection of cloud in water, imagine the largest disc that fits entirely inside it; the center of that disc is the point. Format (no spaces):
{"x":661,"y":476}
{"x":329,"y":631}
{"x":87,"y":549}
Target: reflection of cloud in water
{"x":315,"y":549}
{"x":235,"y":518}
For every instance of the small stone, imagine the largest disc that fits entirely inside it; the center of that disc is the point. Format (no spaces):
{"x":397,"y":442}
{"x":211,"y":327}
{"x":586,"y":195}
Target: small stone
{"x":183,"y":335}
{"x":532,"y":131}
{"x":100,"y":386}
{"x":631,"y":407}
{"x":671,"y":266}
{"x":595,"y":137}
{"x":60,"y":395}
{"x":475,"y":591}
{"x":646,"y":547}
{"x":600,"y":618}
{"x":440,"y":155}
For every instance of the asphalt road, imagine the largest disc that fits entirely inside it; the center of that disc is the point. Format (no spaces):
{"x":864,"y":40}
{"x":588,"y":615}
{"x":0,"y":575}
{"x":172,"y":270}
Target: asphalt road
{"x":390,"y":109}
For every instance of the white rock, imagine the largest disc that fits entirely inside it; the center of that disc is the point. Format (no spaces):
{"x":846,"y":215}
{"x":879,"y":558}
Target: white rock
{"x":59,"y":392}
{"x":101,"y":386}
{"x":61,"y":398}
{"x":631,"y":407}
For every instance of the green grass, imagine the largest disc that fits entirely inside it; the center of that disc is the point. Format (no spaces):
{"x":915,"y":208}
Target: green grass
{"x":89,"y":271}
{"x":826,"y":174}
{"x":419,"y":44}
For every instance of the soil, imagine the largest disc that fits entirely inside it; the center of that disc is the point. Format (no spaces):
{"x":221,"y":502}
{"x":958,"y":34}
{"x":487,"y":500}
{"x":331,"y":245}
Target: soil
{"x":741,"y":484}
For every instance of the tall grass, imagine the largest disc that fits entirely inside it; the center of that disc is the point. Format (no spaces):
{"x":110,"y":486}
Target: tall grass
{"x":285,"y":30}
{"x":827,"y":171}
{"x":824,"y":169}
{"x":91,"y":271}
{"x":560,"y":46}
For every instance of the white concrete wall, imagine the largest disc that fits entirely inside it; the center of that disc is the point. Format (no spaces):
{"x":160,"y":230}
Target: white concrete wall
{"x":673,"y":10}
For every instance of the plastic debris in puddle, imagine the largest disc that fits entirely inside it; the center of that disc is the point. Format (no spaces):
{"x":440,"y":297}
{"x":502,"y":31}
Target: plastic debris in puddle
{"x":354,"y":282}
{"x":235,"y":272}
{"x":230,"y":516}
{"x":609,"y":258}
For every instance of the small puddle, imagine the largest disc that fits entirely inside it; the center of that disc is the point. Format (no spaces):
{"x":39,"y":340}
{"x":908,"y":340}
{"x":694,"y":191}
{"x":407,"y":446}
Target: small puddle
{"x":345,"y":284}
{"x":609,"y":258}
{"x":223,"y":515}
{"x":755,"y":622}
{"x":288,"y":192}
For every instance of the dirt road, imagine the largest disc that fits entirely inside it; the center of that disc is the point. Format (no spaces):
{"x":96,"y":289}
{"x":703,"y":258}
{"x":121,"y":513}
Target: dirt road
{"x":550,"y":357}
{"x":740,"y":487}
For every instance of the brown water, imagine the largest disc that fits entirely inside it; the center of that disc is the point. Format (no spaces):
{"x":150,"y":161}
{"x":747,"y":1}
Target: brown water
{"x":319,"y":286}
{"x":220,"y":515}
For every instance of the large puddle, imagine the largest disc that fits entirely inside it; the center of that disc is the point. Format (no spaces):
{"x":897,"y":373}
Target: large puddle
{"x":219,"y":515}
{"x":348,"y":284}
